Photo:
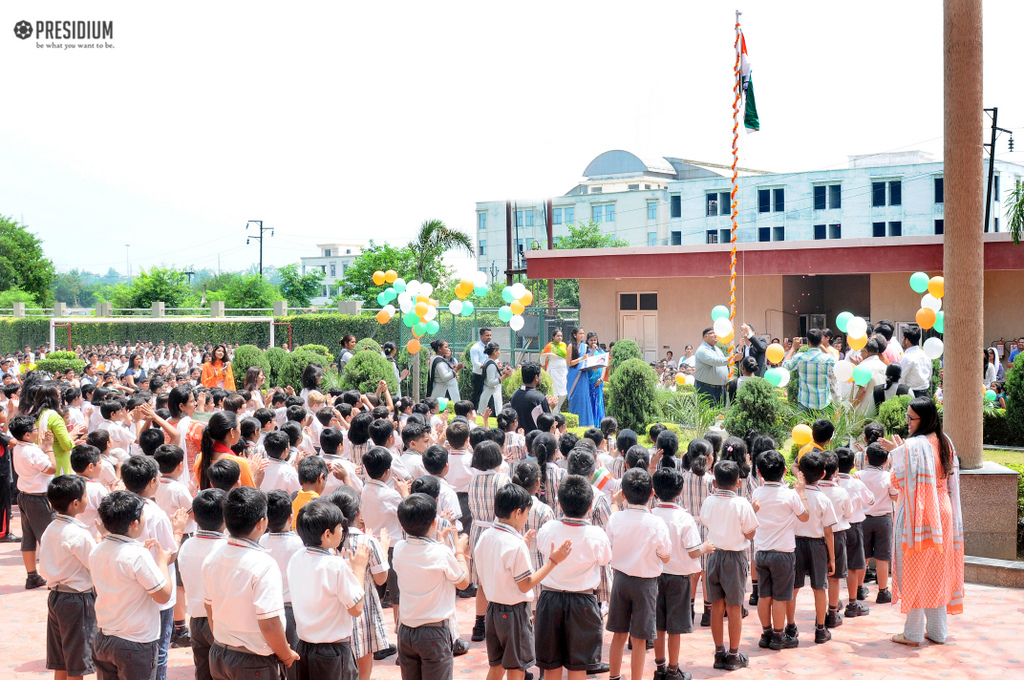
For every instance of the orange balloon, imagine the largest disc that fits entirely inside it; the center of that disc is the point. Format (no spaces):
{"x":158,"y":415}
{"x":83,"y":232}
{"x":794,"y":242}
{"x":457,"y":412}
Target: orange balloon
{"x":925,"y":317}
{"x":378,"y":278}
{"x":391,"y":276}
{"x":432,"y":302}
{"x":423,"y":298}
{"x":680,"y":379}
{"x":467,"y":284}
{"x":383,"y":317}
{"x":420,"y":309}
{"x":461,"y":292}
{"x":857,"y":343}
{"x":413,"y":346}
{"x":527,"y":298}
{"x":802,"y":434}
{"x":775,"y":353}
{"x":937,"y":286}
{"x":517,"y":307}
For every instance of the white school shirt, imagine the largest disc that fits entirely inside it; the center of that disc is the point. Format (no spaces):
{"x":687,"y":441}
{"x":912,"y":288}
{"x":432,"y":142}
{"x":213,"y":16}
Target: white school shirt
{"x":95,"y":492}
{"x":841,"y":503}
{"x":76,"y":417}
{"x":30,"y":462}
{"x":591,"y":550}
{"x":125,"y":575}
{"x":879,"y":483}
{"x":380,"y":508}
{"x":120,"y":436}
{"x":728,"y":517}
{"x":427,"y":573}
{"x":448,"y":500}
{"x":821,"y":514}
{"x":64,"y":550}
{"x":637,"y":537}
{"x":95,"y":418}
{"x":171,"y":496}
{"x":156,"y":524}
{"x":280,"y":475}
{"x":280,"y":416}
{"x":333,"y":482}
{"x":503,"y":560}
{"x":282,"y":547}
{"x":325,"y":588}
{"x":193,"y":553}
{"x":413,"y":463}
{"x":779,"y":508}
{"x":243,"y":586}
{"x":684,"y":536}
{"x":108,"y":470}
{"x":860,"y":496}
{"x":459,"y":470}
{"x":477,"y":357}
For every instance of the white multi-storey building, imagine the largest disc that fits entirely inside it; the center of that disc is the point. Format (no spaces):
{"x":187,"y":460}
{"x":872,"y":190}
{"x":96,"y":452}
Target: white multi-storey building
{"x":333,"y":260}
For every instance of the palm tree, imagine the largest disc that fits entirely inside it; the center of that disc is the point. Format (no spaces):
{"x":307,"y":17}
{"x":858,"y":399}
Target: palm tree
{"x":1015,"y":212}
{"x":433,"y":240}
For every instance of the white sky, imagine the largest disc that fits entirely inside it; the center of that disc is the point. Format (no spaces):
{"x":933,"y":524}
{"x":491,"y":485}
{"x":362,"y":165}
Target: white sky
{"x":344,"y":121}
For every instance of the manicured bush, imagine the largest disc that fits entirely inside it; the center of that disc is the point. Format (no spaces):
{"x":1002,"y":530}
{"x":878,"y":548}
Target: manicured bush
{"x":365,"y":371}
{"x":893,"y":415}
{"x":756,"y":407}
{"x":1015,"y":400}
{"x":623,"y":351}
{"x":275,"y":356}
{"x":245,"y":357}
{"x":644,"y":438}
{"x":466,"y":374}
{"x":996,"y":429}
{"x":293,"y":366}
{"x":635,"y":404}
{"x":366,"y":343}
{"x":1019,"y":469}
{"x":60,"y":362}
{"x":515,"y":381}
{"x":318,"y":349}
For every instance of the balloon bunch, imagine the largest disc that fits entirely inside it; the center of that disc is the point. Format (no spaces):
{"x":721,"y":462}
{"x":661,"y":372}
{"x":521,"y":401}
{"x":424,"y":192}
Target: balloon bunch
{"x":419,"y":310}
{"x":930,"y":315}
{"x":777,"y":375}
{"x":474,"y":286}
{"x":518,"y":297}
{"x":720,"y":321}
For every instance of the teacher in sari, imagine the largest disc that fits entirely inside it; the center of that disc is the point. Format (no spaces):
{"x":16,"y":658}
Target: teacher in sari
{"x":596,"y":377}
{"x":578,"y":380}
{"x":556,"y":356}
{"x":928,"y":530}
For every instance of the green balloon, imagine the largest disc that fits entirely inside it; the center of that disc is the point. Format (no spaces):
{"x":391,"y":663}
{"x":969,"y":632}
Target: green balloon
{"x":467,"y":308}
{"x":382,"y":299}
{"x":940,"y":317}
{"x":842,"y":320}
{"x":774,"y":376}
{"x":719,"y":312}
{"x":442,"y":403}
{"x":990,"y":395}
{"x":919,"y":282}
{"x":505,"y":314}
{"x":433,"y":327}
{"x":862,"y":375}
{"x":481,"y":291}
{"x":390,"y":294}
{"x":506,"y":295}
{"x":409,"y":320}
{"x":419,"y":328}
{"x":400,"y":285}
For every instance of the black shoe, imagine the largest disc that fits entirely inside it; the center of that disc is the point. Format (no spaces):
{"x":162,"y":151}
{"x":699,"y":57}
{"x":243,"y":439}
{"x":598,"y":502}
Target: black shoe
{"x":529,"y":676}
{"x":753,"y":598}
{"x":720,"y":660}
{"x":34,"y":581}
{"x":678,"y":675}
{"x":791,"y":630}
{"x":650,"y":645}
{"x":693,"y":613}
{"x":10,"y":538}
{"x":705,"y":619}
{"x":181,"y":638}
{"x":468,"y":593}
{"x":460,"y":647}
{"x":833,"y":619}
{"x":734,"y":662}
{"x":870,"y":576}
{"x":821,"y":635}
{"x":479,"y":633}
{"x":598,"y":669}
{"x":783,"y":642}
{"x":856,"y":609}
{"x":766,"y":638}
{"x":884,"y":597}
{"x":660,"y":675}
{"x":385,"y":602}
{"x":744,"y":611}
{"x":862,"y":593}
{"x":390,"y":650}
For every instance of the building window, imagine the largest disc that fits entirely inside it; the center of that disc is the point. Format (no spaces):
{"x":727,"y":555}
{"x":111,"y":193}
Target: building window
{"x":764,"y":234}
{"x":835,"y":231}
{"x":878,"y":229}
{"x":609,"y":212}
{"x":627,"y":302}
{"x":778,"y":233}
{"x":334,"y":270}
{"x":780,"y":199}
{"x":652,"y":238}
{"x":556,"y":216}
{"x":675,"y":203}
{"x":764,"y":200}
{"x":596,"y":190}
{"x":570,"y":215}
{"x":712,"y":202}
{"x":877,"y":194}
{"x":481,"y":220}
{"x":940,"y":227}
{"x":835,"y":196}
{"x":819,"y":197}
{"x":997,"y":225}
{"x":652,"y":210}
{"x":895,"y":229}
{"x":711,"y":236}
{"x":939,"y":191}
{"x":483,"y":247}
{"x":724,"y":236}
{"x":995,"y":190}
{"x":896,"y":192}
{"x":597,"y":213}
{"x":519,"y":218}
{"x":633,"y":187}
{"x":649,"y":302}
{"x":524,"y":218}
{"x":724,"y":203}
{"x":529,"y":218}
{"x":324,"y":292}
{"x":327,"y":252}
{"x":677,"y":238}
{"x":820,"y":230}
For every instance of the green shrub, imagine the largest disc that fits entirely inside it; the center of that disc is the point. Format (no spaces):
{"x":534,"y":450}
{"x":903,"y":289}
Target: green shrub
{"x":756,"y":407}
{"x":275,"y":357}
{"x":644,"y":438}
{"x":60,"y":362}
{"x":1015,"y":400}
{"x":1019,"y":469}
{"x":996,"y":428}
{"x":318,"y":349}
{"x":571,"y":420}
{"x":635,"y":404}
{"x":367,"y":343}
{"x":515,"y":381}
{"x":365,"y":370}
{"x":623,"y":351}
{"x":245,"y":357}
{"x":293,"y":366}
{"x":893,"y":415}
{"x":466,"y":374}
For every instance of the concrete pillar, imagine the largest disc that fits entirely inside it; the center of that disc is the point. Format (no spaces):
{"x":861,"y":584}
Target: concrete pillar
{"x":60,"y":309}
{"x":353,"y":307}
{"x":963,"y":252}
{"x":217,"y":308}
{"x":102,"y":309}
{"x":157,"y":310}
{"x":19,"y":310}
{"x":281,"y":308}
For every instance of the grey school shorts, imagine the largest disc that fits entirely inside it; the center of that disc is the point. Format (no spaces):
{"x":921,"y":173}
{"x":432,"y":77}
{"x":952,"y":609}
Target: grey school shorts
{"x":776,"y":571}
{"x":232,"y":664}
{"x":568,"y":630}
{"x":70,"y":628}
{"x":119,"y":658}
{"x":632,"y":606}
{"x":877,"y":533}
{"x":839,"y":546}
{"x":509,"y":635}
{"x":36,"y":515}
{"x":202,"y":641}
{"x":673,"y":608}
{"x":726,"y":576}
{"x":855,"y":548}
{"x":811,"y":560}
{"x":425,"y":652}
{"x":326,"y":660}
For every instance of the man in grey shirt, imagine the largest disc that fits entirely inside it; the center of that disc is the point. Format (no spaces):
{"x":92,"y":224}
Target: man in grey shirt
{"x":711,"y":368}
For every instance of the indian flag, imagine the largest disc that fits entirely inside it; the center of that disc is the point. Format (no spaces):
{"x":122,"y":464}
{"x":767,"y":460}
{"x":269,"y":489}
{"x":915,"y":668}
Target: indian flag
{"x":750,"y":121}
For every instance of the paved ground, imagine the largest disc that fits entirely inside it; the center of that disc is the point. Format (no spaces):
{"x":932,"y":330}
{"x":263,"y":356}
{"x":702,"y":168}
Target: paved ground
{"x":986,"y":641}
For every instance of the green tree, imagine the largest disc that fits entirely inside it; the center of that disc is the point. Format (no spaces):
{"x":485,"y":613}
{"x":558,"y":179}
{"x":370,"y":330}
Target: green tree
{"x":72,"y":289}
{"x":23,"y":264}
{"x":433,"y":240}
{"x":1015,"y":212}
{"x":298,"y":288}
{"x":358,"y":282}
{"x":581,"y":235}
{"x":12,"y":295}
{"x":247,"y":291}
{"x":169,"y":286}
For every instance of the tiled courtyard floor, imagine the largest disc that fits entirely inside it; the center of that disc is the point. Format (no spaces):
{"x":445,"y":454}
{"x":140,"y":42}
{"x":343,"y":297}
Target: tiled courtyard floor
{"x":986,"y":641}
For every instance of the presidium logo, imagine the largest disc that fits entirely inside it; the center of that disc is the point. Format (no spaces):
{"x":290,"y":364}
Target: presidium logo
{"x":67,"y":34}
{"x":23,"y":30}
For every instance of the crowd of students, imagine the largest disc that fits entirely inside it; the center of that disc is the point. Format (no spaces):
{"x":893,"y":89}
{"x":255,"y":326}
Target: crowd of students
{"x":281,"y":526}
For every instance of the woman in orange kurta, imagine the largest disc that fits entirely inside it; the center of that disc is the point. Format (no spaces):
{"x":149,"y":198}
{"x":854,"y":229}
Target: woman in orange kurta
{"x":217,"y":371}
{"x":928,"y":532}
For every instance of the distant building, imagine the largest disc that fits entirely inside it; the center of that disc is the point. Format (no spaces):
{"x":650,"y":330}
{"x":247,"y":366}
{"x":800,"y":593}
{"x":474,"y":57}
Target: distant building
{"x":333,"y":260}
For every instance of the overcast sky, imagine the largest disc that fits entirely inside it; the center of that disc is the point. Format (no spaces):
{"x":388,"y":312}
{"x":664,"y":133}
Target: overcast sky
{"x":341,"y":121}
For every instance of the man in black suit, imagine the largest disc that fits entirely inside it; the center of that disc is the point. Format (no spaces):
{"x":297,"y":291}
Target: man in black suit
{"x":754,"y":347}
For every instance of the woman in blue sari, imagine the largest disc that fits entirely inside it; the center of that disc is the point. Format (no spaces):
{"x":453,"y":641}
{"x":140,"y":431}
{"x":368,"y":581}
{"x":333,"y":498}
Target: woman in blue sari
{"x":578,"y":381}
{"x":596,"y":379}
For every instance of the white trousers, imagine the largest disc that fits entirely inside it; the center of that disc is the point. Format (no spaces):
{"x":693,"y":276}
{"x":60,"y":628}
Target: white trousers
{"x":920,"y":621}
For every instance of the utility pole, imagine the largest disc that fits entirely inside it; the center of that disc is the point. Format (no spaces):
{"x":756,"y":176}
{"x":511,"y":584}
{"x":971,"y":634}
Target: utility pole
{"x":127,"y":263}
{"x":992,"y":160}
{"x":258,"y":238}
{"x":190,"y":273}
{"x":508,"y":242}
{"x":551,"y":246}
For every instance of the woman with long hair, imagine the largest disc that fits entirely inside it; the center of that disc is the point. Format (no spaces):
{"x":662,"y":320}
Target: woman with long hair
{"x":577,"y":381}
{"x":45,"y":408}
{"x":219,"y":435}
{"x":556,"y":358}
{"x":390,"y":352}
{"x":253,"y":384}
{"x":310,"y":380}
{"x":928,"y":562}
{"x":135,"y":371}
{"x":182,"y":404}
{"x":217,"y":371}
{"x":348,"y":346}
{"x":442,"y":376}
{"x":596,"y":379}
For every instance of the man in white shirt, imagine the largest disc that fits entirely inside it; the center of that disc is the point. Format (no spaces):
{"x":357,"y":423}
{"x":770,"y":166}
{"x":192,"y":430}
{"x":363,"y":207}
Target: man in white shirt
{"x":916,"y":365}
{"x":478,"y":357}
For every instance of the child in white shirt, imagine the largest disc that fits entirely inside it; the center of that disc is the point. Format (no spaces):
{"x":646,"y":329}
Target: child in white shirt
{"x":815,"y":551}
{"x":860,"y":499}
{"x":85,"y":461}
{"x":282,"y":544}
{"x":34,"y":466}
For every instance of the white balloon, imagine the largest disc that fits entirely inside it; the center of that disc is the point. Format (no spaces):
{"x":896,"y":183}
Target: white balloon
{"x":455,"y":306}
{"x":689,"y":379}
{"x":785,"y":378}
{"x":856,"y":327}
{"x":390,"y":309}
{"x":723,"y":327}
{"x":413,"y":288}
{"x":426,"y":289}
{"x":431,"y":313}
{"x":516,"y":323}
{"x":843,"y":370}
{"x":405,"y":305}
{"x":480,"y":279}
{"x":398,"y":282}
{"x":518,"y":290}
{"x":931,"y":302}
{"x":933,"y":348}
{"x":404,"y":297}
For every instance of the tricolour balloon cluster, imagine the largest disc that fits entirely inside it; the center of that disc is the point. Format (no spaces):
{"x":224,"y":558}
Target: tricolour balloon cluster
{"x":419,"y":310}
{"x":466,"y":287}
{"x":722,"y":325}
{"x":930,"y":315}
{"x":518,"y":297}
{"x":776,"y":375}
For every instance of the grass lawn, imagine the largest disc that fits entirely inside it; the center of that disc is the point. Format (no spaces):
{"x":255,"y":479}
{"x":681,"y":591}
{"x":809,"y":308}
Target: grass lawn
{"x":1004,"y":457}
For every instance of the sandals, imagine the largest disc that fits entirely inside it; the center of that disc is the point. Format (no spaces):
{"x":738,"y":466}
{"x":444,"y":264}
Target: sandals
{"x":900,"y":639}
{"x":934,"y":642}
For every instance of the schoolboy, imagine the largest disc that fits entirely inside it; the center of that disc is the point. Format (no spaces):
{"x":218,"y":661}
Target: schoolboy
{"x":313,"y":480}
{"x":64,"y":551}
{"x":673,"y":611}
{"x":207,"y":508}
{"x":508,"y":579}
{"x":111,"y":466}
{"x":150,"y":440}
{"x":280,"y":474}
{"x":113,"y":413}
{"x":380,"y":508}
{"x":435,"y":462}
{"x":428,"y":573}
{"x":640,"y":546}
{"x":459,"y":473}
{"x":342,"y":471}
{"x":843,"y":507}
{"x":85,"y":461}
{"x":731,"y":523}
{"x":282,"y":543}
{"x":815,"y":550}
{"x":877,"y":526}
{"x":225,"y":474}
{"x":860,"y":499}
{"x":244,"y":601}
{"x":822,"y":431}
{"x":34,"y":467}
{"x":173,"y":495}
{"x":131,"y":586}
{"x":779,"y":509}
{"x":415,"y":439}
{"x":327,"y":594}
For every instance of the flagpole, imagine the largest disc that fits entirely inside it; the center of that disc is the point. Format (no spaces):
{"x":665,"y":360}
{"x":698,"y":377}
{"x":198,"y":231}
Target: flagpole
{"x":737,"y":91}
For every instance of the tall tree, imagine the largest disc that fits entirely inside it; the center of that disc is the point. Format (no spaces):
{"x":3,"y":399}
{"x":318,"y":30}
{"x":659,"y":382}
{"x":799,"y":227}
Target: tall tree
{"x":71,"y":289}
{"x":1015,"y":211}
{"x":23,"y":264}
{"x":432,"y":241}
{"x":169,"y":286}
{"x":358,"y":282}
{"x":298,"y":289}
{"x":581,"y":235}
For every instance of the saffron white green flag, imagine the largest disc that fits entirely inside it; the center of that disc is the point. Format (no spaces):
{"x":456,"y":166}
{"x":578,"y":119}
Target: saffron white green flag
{"x":750,"y":120}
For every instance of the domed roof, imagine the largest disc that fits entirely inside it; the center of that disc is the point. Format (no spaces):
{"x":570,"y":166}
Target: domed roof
{"x":619,"y":162}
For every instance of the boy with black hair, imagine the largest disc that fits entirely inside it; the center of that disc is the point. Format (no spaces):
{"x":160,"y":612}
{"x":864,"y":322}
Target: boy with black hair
{"x":342,"y":471}
{"x":435,"y":462}
{"x":779,"y":509}
{"x":640,"y":546}
{"x":282,"y":543}
{"x":507,"y":578}
{"x":85,"y":461}
{"x":429,"y":574}
{"x":34,"y":467}
{"x":731,"y":524}
{"x":110,"y":470}
{"x":64,"y":550}
{"x":267,"y":422}
{"x":278,"y":405}
{"x":113,"y":413}
{"x":313,"y":479}
{"x":150,"y":440}
{"x":815,"y":551}
{"x":382,"y":433}
{"x":546,"y":422}
{"x":173,"y":495}
{"x":380,"y":509}
{"x":595,"y":435}
{"x":294,"y":433}
{"x":225,"y":474}
{"x":131,"y":586}
{"x":652,"y":433}
{"x":327,"y":593}
{"x":666,"y":447}
{"x":822,"y":431}
{"x":280,"y":474}
{"x":207,"y":509}
{"x":415,"y":440}
{"x":625,"y":440}
{"x":465,"y":409}
{"x":877,"y":526}
{"x":460,"y":458}
{"x":843,"y":507}
{"x":244,"y":600}
{"x":860,"y":499}
{"x":673,"y":616}
{"x":581,"y":462}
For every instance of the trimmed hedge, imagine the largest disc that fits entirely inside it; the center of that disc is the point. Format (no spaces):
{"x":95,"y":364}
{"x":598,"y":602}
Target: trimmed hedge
{"x":623,"y":351}
{"x":757,"y":407}
{"x":246,"y":357}
{"x":635,"y":404}
{"x":1015,"y":401}
{"x":275,"y":357}
{"x":515,"y":381}
{"x":893,"y":415}
{"x":996,"y":428}
{"x":293,"y":366}
{"x":317,"y":349}
{"x":61,"y":362}
{"x":365,"y":371}
{"x":366,"y":343}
